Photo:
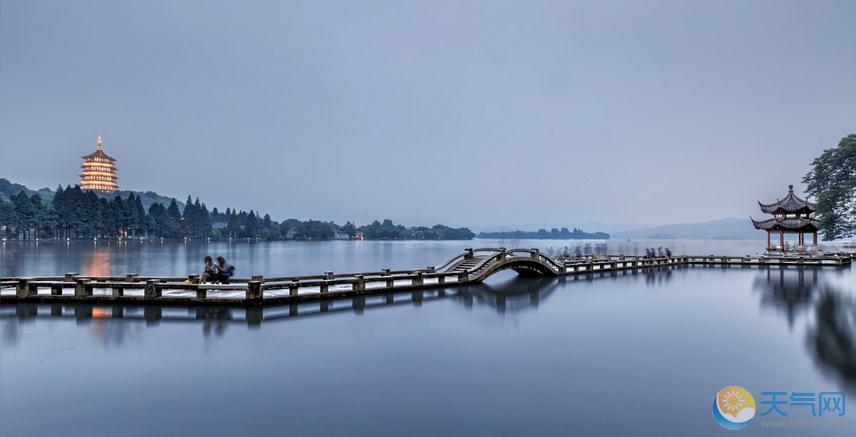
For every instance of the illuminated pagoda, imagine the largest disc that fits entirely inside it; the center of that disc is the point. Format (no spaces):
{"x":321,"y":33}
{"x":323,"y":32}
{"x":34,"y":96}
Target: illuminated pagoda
{"x":791,"y":215}
{"x":99,"y":170}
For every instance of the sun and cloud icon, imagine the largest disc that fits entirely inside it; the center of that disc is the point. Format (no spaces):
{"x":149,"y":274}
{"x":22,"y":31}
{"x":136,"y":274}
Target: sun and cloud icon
{"x":733,"y":407}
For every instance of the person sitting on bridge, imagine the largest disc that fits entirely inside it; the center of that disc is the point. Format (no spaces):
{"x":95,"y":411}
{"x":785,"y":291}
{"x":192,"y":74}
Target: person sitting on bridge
{"x":225,"y":270}
{"x":211,"y":271}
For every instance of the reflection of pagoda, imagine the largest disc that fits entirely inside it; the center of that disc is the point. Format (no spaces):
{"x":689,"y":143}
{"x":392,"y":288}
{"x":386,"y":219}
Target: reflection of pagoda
{"x":99,"y":170}
{"x":791,"y":215}
{"x":789,"y":290}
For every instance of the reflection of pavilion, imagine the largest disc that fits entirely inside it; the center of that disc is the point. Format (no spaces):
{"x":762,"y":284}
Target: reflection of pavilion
{"x":833,"y":336}
{"x":787,"y":289}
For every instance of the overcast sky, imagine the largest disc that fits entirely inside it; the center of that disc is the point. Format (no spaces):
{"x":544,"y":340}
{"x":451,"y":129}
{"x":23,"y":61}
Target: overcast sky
{"x":479,"y":113}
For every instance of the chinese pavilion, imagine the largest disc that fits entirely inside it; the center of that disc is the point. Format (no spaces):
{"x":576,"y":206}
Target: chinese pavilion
{"x":791,"y":215}
{"x":99,"y":170}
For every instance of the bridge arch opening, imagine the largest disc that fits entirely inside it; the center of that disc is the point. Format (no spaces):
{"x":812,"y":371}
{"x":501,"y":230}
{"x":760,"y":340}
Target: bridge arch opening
{"x":523,"y":267}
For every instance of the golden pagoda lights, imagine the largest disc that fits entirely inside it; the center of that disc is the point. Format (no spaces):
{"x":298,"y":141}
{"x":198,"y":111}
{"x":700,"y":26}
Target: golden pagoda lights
{"x":99,"y":170}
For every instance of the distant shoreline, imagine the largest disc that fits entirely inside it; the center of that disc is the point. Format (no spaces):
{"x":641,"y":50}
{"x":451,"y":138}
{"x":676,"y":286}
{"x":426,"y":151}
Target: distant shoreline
{"x":33,"y":240}
{"x":543,"y":234}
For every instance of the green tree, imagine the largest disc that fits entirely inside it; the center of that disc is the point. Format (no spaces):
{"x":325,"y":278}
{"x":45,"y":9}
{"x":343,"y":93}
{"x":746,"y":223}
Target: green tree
{"x":172,"y":225}
{"x":24,"y":215}
{"x":252,"y":225}
{"x":203,"y":219}
{"x":233,"y":226}
{"x":349,"y":229}
{"x":8,"y":218}
{"x":832,"y":181}
{"x":140,"y":219}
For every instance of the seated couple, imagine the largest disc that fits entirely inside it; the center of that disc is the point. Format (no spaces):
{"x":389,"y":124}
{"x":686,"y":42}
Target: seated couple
{"x":219,"y":272}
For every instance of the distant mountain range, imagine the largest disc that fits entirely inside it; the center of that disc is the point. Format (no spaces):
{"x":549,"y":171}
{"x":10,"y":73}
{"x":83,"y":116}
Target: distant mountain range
{"x":723,"y":229}
{"x":9,"y":189}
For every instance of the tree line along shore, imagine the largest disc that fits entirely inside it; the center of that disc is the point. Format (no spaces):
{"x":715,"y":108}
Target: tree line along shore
{"x":74,"y":213}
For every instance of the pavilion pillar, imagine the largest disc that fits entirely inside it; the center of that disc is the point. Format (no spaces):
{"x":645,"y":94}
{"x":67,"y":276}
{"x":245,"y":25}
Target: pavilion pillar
{"x":782,"y":240}
{"x":769,"y":243}
{"x":814,"y":238}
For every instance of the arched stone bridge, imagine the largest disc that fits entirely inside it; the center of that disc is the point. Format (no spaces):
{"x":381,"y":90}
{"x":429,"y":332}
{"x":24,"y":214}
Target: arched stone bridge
{"x":471,"y":266}
{"x":479,"y":264}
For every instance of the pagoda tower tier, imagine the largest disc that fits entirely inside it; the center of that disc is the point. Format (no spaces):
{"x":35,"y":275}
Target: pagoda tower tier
{"x":99,"y":170}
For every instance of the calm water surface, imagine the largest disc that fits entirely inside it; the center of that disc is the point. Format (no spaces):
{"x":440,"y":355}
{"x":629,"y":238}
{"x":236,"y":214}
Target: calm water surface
{"x":626,"y":354}
{"x":296,"y":257}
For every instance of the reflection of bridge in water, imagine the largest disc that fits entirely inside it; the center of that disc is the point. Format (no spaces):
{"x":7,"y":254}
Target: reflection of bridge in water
{"x":471,"y":267}
{"x":512,"y":295}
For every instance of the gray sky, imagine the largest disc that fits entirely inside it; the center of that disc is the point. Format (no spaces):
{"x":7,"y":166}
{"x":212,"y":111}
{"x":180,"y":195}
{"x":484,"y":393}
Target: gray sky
{"x":472,"y":113}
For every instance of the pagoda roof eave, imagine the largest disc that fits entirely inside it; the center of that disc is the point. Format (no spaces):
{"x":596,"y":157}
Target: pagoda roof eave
{"x":99,"y":154}
{"x":791,"y":204}
{"x":787,"y":224}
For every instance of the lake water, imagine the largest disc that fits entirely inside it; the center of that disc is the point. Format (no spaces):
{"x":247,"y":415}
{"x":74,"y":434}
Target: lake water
{"x":627,"y":354}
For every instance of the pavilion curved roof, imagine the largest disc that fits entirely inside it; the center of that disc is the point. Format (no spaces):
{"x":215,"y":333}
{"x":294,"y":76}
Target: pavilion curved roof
{"x":791,"y":204}
{"x":787,"y":224}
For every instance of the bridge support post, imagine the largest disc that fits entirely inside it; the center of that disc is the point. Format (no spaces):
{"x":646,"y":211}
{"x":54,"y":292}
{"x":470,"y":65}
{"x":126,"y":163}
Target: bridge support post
{"x":254,"y":292}
{"x":536,"y":253}
{"x":463,"y":278}
{"x":325,"y":287}
{"x":292,"y":288}
{"x":468,"y":253}
{"x":81,"y":289}
{"x":360,"y":284}
{"x":418,"y":280}
{"x":441,"y":279}
{"x":328,"y":275}
{"x":118,"y":291}
{"x":56,"y":290}
{"x":151,"y":291}
{"x":21,"y":289}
